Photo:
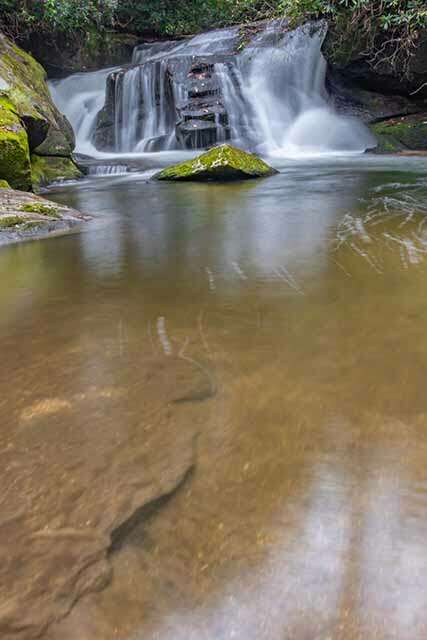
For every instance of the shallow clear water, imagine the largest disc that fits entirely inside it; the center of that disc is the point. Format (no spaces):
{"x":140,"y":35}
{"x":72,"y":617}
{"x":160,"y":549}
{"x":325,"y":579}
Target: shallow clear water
{"x":304,"y":298}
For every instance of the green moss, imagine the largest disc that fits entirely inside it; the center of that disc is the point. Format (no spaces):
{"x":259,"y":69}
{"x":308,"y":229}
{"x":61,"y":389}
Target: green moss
{"x":45,"y":170}
{"x":23,"y":83}
{"x":220,"y":163}
{"x":41,"y":209}
{"x":4,"y":184}
{"x":407,"y":133}
{"x":6,"y":222}
{"x":14,"y":150}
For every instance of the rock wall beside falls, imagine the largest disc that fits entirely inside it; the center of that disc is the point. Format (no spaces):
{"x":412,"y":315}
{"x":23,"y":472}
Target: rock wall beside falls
{"x":358,"y":69}
{"x":32,"y":129}
{"x":106,"y":49}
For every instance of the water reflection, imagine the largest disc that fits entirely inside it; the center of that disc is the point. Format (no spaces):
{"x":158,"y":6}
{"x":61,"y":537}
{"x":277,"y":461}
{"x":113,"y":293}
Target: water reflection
{"x":307,"y":512}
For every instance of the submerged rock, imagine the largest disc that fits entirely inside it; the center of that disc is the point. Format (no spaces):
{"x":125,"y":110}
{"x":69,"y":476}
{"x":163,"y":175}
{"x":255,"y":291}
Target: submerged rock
{"x":220,"y":163}
{"x":401,"y":134}
{"x":77,"y":472}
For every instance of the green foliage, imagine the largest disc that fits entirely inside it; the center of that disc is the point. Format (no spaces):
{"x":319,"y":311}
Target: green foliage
{"x":62,"y":16}
{"x":81,"y":18}
{"x":384,"y":14}
{"x":6,"y":222}
{"x":41,"y":209}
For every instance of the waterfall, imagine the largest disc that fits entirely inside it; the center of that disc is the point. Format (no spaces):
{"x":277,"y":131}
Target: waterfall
{"x":276,"y":98}
{"x":80,"y":97}
{"x":192,"y":94}
{"x":145,"y":108}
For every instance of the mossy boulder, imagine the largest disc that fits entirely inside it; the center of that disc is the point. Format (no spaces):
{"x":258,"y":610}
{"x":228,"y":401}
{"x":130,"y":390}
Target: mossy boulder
{"x":23,"y":83}
{"x":4,"y":184}
{"x":401,"y":134}
{"x":14,"y":151}
{"x":220,"y":163}
{"x":45,"y":170}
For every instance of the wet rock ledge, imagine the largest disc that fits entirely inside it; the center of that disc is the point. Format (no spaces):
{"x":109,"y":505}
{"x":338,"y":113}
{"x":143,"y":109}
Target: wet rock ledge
{"x":26,"y":216}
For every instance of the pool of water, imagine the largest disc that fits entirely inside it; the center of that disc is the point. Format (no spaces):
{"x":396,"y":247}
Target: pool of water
{"x":303,"y":297}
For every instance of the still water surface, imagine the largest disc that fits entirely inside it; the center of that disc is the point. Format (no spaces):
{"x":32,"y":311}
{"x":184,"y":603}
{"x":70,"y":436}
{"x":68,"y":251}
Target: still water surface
{"x":304,"y":298}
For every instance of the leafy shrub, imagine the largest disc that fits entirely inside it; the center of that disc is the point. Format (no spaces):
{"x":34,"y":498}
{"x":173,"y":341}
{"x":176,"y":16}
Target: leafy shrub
{"x":389,"y":28}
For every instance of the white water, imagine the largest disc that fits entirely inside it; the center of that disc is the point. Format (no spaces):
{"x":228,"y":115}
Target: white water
{"x":80,"y":97}
{"x":146,"y":108}
{"x":277,"y":99}
{"x":274,"y":95}
{"x":105,"y":170}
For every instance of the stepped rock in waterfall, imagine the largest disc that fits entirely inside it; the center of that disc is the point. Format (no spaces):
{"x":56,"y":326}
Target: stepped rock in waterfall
{"x":203,"y":120}
{"x":221,"y":163}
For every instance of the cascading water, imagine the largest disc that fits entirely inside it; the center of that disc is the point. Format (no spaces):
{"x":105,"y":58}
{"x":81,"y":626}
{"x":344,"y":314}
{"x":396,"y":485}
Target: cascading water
{"x":271,"y":97}
{"x":80,"y":97}
{"x":145,"y":109}
{"x":276,"y":98}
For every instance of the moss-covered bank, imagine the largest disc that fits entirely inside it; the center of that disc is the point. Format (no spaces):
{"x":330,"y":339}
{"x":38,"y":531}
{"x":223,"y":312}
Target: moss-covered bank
{"x":407,"y":133}
{"x":36,"y":140}
{"x":45,"y":170}
{"x":14,"y":150}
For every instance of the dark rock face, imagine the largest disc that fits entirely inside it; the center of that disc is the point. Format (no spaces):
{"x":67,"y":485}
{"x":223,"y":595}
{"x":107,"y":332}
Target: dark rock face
{"x":110,"y":50}
{"x":369,"y":106}
{"x":104,"y":136}
{"x":381,"y":77}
